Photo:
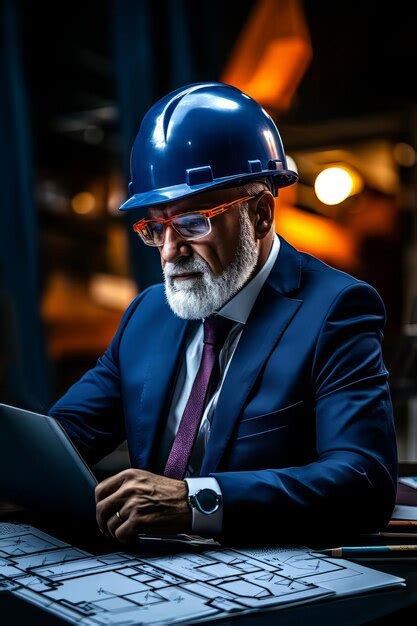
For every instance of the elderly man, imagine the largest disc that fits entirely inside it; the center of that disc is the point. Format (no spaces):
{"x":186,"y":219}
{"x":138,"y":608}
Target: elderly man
{"x":251,"y":386}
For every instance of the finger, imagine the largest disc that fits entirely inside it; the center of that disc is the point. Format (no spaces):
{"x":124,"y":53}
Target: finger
{"x":111,"y":484}
{"x":126,"y":496}
{"x":128,"y":530}
{"x":121,"y":516}
{"x":113,"y":523}
{"x":105,"y":511}
{"x":107,"y":508}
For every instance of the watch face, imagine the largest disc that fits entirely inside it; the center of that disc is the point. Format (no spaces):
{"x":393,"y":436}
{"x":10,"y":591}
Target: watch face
{"x":207,"y":500}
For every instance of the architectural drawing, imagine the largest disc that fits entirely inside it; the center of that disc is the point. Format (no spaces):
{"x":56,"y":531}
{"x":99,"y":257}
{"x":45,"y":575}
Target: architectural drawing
{"x":124,"y":588}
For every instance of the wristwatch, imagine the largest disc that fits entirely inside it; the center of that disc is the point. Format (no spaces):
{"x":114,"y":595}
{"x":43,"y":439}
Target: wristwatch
{"x":206,"y":501}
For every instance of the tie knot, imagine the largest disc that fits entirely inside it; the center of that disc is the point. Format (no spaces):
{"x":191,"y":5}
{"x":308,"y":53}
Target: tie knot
{"x":216,"y":329}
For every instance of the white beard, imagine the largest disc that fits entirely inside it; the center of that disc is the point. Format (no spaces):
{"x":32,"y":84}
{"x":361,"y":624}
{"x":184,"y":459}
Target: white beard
{"x":199,"y":297}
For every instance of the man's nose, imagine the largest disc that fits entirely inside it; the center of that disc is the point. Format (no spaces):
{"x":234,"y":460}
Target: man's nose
{"x":174,"y":246}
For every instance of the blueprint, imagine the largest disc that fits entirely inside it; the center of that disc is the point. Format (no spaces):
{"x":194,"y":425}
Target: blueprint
{"x":127,"y":588}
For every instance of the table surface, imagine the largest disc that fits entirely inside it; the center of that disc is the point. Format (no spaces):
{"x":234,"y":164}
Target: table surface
{"x":379,"y":608}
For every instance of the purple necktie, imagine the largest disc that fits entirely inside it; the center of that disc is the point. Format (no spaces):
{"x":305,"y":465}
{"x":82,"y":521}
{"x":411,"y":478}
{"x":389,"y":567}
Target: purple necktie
{"x":216,"y":329}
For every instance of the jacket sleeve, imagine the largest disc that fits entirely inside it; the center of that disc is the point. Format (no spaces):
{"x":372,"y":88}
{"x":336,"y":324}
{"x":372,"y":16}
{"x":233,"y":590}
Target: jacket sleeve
{"x":352,"y":483}
{"x":91,"y":410}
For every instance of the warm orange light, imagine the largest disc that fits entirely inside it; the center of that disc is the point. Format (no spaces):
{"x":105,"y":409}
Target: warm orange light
{"x":83,"y":203}
{"x":316,"y":235}
{"x":272,"y":53}
{"x":404,"y":154}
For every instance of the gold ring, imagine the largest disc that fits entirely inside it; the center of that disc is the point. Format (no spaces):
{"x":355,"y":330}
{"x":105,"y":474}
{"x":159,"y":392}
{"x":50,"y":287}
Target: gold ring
{"x":118,"y":515}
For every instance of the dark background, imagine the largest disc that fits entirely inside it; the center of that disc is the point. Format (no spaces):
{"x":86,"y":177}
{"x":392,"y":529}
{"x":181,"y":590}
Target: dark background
{"x":76,"y":80}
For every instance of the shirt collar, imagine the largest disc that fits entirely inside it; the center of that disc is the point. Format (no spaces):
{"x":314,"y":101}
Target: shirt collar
{"x":239,"y":307}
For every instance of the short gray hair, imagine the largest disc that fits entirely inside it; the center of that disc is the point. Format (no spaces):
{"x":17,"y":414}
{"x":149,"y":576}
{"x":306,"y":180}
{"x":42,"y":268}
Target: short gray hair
{"x":252,"y":188}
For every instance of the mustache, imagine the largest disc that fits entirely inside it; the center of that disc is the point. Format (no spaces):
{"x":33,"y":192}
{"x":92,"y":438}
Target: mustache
{"x":187,"y":265}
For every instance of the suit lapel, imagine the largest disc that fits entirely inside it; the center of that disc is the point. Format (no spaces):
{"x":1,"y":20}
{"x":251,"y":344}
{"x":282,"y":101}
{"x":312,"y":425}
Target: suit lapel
{"x":163,"y":363}
{"x":270,"y":316}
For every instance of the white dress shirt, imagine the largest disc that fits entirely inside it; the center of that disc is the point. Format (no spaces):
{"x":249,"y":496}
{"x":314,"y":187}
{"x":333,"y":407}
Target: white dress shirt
{"x":236,"y":309}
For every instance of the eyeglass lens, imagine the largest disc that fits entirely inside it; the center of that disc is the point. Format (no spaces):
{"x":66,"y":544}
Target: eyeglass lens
{"x":189,"y":226}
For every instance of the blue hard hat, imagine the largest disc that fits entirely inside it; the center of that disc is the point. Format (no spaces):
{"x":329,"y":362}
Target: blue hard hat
{"x":203,"y":136}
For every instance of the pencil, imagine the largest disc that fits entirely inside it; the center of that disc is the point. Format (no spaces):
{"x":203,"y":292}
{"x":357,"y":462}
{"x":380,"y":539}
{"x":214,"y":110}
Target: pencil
{"x":402,"y":534}
{"x":363,"y":551}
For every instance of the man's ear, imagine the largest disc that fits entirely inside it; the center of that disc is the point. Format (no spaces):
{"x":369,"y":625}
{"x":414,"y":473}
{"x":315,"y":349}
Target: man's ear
{"x":264,"y":215}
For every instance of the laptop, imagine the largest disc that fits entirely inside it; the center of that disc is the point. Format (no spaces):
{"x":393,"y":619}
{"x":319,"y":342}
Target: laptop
{"x":41,"y":469}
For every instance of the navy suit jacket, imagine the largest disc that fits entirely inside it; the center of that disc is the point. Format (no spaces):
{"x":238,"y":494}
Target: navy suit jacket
{"x":302,"y":435}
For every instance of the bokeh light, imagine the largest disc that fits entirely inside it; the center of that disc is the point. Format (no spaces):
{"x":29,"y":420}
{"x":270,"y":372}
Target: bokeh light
{"x":83,"y":203}
{"x":333,"y":185}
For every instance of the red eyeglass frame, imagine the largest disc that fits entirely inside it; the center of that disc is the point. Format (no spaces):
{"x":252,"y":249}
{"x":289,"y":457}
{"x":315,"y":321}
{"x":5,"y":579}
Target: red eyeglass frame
{"x":139,"y":226}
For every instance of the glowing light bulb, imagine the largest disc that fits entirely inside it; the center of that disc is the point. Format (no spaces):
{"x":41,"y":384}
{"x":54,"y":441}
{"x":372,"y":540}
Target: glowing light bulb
{"x":333,"y":185}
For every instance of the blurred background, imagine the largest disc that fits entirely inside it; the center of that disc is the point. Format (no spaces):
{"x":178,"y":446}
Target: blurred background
{"x":76,"y":77}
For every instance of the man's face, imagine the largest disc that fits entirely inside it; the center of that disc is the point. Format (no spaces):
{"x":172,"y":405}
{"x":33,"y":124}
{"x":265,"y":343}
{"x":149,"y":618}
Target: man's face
{"x":218,"y":248}
{"x":201,"y":276}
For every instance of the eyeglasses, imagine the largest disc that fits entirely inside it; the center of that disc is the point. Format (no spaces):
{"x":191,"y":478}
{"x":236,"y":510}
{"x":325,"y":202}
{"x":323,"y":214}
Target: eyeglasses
{"x":189,"y":226}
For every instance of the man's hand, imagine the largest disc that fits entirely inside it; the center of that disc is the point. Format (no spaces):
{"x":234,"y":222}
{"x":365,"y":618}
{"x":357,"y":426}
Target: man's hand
{"x":145,"y":502}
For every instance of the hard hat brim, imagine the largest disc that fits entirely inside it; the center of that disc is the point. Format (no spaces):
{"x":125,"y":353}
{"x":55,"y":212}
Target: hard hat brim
{"x":283,"y":178}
